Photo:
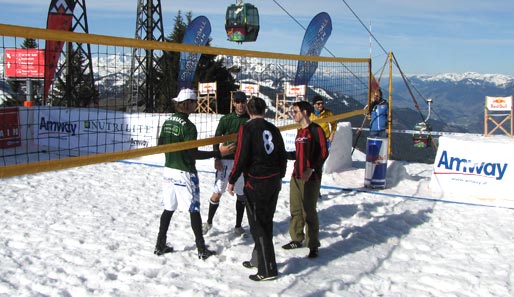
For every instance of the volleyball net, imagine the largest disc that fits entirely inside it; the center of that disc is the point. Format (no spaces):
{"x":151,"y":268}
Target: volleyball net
{"x":107,"y":108}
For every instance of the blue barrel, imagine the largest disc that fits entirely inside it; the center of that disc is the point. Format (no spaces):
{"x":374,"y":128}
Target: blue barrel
{"x":376,"y":163}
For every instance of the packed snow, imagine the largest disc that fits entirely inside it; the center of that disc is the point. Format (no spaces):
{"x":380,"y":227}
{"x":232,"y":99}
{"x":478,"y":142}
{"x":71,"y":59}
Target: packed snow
{"x":91,"y":231}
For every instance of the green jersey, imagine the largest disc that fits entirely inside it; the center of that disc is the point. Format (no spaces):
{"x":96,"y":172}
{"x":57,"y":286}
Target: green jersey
{"x":178,"y":128}
{"x":229,"y":124}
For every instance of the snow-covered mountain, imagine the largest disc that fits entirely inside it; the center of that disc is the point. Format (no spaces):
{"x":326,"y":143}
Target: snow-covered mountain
{"x":458,"y":99}
{"x":470,"y":78}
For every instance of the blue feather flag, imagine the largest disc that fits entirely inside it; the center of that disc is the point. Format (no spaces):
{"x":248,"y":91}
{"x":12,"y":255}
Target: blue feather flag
{"x":314,"y":40}
{"x":197,"y":33}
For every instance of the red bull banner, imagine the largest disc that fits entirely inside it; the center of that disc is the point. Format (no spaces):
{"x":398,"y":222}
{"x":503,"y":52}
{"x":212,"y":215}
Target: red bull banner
{"x":499,"y":103}
{"x":294,"y":91}
{"x":60,"y":17}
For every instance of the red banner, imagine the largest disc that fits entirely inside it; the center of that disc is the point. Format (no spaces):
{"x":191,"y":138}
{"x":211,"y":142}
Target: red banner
{"x":60,"y":17}
{"x":9,"y":127}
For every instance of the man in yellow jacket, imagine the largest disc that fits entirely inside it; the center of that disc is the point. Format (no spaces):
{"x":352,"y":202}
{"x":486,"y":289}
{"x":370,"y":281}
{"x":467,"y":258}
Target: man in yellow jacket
{"x":320,"y":112}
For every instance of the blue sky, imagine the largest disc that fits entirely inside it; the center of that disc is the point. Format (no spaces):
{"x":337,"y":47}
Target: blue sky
{"x":426,"y":37}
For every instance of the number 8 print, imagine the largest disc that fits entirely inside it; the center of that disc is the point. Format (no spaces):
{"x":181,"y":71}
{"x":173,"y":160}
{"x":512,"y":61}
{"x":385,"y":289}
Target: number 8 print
{"x":267,"y":138}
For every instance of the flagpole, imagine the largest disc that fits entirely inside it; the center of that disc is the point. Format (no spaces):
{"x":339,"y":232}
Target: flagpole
{"x":370,"y":39}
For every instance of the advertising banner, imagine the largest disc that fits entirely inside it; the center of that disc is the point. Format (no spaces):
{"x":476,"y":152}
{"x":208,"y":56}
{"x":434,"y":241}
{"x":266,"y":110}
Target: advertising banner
{"x":197,"y":33}
{"x":314,"y":40}
{"x":9,"y":127}
{"x":498,"y":103}
{"x":94,"y":131}
{"x":60,"y":17}
{"x":249,"y":89}
{"x":474,"y":171}
{"x":207,"y":88}
{"x":294,"y":91}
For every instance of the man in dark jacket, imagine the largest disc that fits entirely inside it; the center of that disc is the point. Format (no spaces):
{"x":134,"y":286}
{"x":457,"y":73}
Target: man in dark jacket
{"x":261,"y":158}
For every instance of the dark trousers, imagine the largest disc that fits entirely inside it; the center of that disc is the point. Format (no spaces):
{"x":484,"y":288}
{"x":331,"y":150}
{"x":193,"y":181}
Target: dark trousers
{"x":261,"y":204}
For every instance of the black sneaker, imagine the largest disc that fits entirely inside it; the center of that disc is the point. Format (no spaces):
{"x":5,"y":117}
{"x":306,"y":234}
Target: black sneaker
{"x":205,"y":253}
{"x":159,"y":251}
{"x":248,"y":264}
{"x":258,"y":277}
{"x":292,"y":245}
{"x":313,"y":253}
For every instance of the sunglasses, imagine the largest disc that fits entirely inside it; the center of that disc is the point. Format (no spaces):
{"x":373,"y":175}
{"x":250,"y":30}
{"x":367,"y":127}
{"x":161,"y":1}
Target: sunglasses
{"x":318,"y":103}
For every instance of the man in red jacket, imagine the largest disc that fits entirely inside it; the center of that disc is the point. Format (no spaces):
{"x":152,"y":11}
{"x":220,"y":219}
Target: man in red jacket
{"x":311,"y":152}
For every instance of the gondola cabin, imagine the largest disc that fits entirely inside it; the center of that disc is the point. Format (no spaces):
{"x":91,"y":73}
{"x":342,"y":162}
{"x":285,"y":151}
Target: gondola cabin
{"x":421,"y":137}
{"x":242,"y":22}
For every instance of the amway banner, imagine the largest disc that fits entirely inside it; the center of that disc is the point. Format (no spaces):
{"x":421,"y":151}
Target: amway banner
{"x":475,"y":169}
{"x":94,"y":131}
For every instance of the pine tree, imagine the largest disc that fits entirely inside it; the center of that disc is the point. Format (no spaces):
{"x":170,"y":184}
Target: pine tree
{"x":72,"y":86}
{"x":170,"y":61}
{"x":29,"y":43}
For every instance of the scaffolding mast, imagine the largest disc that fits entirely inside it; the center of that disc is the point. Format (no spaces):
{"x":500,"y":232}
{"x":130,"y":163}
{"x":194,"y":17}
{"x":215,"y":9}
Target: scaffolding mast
{"x":82,"y":73}
{"x":145,"y":62}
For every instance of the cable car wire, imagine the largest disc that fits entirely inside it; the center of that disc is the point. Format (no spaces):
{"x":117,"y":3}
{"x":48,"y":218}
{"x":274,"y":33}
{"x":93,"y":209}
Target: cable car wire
{"x":408,"y":84}
{"x":365,"y":27}
{"x":332,"y":54}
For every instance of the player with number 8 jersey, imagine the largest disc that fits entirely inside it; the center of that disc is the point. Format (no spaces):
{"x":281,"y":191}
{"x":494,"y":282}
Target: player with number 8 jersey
{"x":261,"y":158}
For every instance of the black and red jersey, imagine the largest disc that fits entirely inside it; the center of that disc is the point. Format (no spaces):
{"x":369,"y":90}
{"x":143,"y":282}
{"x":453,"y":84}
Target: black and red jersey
{"x":260,"y":151}
{"x":311,"y":151}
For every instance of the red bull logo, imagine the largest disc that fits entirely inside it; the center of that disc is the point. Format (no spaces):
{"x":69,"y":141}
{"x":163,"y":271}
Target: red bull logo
{"x":376,"y":163}
{"x":499,"y":103}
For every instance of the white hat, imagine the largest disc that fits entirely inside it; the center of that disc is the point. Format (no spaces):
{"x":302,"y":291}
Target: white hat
{"x":185,"y":94}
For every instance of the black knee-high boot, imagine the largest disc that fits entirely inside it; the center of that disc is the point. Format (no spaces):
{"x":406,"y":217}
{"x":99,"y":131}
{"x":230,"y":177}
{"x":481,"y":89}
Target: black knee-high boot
{"x":160,"y":246}
{"x":240,"y":211}
{"x":196,"y":225}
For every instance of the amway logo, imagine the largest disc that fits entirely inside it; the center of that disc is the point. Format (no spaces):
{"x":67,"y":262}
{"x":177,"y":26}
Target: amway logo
{"x":57,"y":126}
{"x":465,"y":166}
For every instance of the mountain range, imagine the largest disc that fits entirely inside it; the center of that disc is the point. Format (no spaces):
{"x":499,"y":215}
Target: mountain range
{"x":458,"y":99}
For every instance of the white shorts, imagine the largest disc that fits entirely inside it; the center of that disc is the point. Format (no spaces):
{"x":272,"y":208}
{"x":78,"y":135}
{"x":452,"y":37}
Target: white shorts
{"x":221,"y":183}
{"x":180,"y":190}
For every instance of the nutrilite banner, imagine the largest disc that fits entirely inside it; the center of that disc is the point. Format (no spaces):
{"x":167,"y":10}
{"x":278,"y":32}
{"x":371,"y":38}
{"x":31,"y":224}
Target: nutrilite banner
{"x":94,"y":131}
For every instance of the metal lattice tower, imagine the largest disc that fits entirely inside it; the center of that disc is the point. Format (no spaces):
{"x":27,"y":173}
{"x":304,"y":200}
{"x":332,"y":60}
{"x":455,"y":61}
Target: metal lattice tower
{"x":82,"y":73}
{"x":145,"y":62}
